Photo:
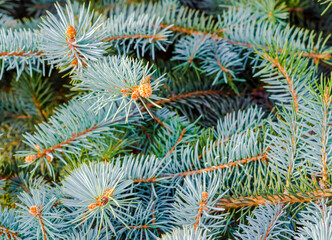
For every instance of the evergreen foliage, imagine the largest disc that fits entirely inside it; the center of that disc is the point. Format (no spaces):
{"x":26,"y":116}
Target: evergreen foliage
{"x":165,"y":119}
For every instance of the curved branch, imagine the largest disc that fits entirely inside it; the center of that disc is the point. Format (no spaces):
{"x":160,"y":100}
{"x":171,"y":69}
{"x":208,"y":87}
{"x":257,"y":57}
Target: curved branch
{"x":287,"y":78}
{"x":315,"y":56}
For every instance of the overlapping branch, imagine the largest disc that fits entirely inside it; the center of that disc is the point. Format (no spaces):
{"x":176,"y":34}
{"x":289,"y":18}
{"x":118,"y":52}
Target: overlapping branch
{"x":46,"y":151}
{"x":9,"y":233}
{"x":179,"y":140}
{"x":189,"y":95}
{"x":288,"y":79}
{"x":189,"y":31}
{"x":268,"y":232}
{"x":249,"y":201}
{"x":241,"y":162}
{"x":238,"y":163}
{"x":22,"y":53}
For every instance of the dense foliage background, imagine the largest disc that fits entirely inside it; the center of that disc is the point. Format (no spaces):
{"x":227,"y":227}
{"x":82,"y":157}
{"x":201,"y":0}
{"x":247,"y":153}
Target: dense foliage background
{"x":124,"y":119}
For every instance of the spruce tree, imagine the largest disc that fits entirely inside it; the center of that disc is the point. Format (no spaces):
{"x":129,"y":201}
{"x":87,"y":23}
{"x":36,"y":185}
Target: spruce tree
{"x":165,"y":119}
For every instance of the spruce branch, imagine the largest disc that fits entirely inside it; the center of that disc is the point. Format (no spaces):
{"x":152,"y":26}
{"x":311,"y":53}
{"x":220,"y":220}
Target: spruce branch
{"x":237,"y":122}
{"x":182,"y":132}
{"x":249,"y":147}
{"x":15,"y":106}
{"x":189,"y":95}
{"x":22,"y":182}
{"x":178,"y":141}
{"x":195,"y":204}
{"x":246,"y":34}
{"x":87,"y":232}
{"x":19,"y":50}
{"x":189,"y":49}
{"x":117,"y":176}
{"x":159,"y":175}
{"x":36,"y":90}
{"x":98,"y":193}
{"x":141,"y":168}
{"x":61,"y":136}
{"x":315,"y":221}
{"x":194,"y":22}
{"x":188,"y":20}
{"x":237,"y":163}
{"x":148,"y":223}
{"x":187,"y":233}
{"x":318,"y":116}
{"x":235,"y":36}
{"x":267,"y":224}
{"x":190,"y":162}
{"x":287,"y":78}
{"x":37,"y":217}
{"x":40,"y":7}
{"x":219,"y":58}
{"x":302,"y":42}
{"x":286,"y":145}
{"x":9,"y":224}
{"x":272,"y":11}
{"x":70,"y":42}
{"x":31,"y":97}
{"x":223,"y":61}
{"x":143,"y":33}
{"x":119,"y":79}
{"x":285,"y":73}
{"x":79,"y":50}
{"x":292,"y":197}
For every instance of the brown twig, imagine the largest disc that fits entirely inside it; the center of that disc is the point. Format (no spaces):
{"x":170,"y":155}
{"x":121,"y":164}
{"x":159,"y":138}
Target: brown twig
{"x":261,"y":158}
{"x":315,"y":56}
{"x":327,"y":102}
{"x":300,"y":197}
{"x":58,"y":146}
{"x":266,"y":235}
{"x":202,"y":207}
{"x":188,"y":95}
{"x":179,"y":139}
{"x":152,"y":37}
{"x":36,"y":212}
{"x":287,"y":78}
{"x":6,"y":231}
{"x":22,"y":53}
